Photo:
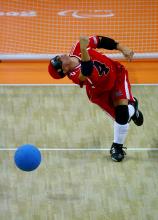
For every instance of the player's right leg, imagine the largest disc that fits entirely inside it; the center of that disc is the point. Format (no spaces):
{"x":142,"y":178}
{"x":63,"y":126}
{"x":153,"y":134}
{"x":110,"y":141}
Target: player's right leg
{"x":126,"y":108}
{"x":121,"y":126}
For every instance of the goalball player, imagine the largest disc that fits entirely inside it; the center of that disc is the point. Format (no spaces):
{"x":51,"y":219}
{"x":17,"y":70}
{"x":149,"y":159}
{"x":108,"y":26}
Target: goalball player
{"x":106,"y":83}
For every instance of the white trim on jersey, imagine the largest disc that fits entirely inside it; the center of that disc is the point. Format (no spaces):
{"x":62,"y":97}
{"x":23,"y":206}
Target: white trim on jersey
{"x":89,"y":80}
{"x":126,"y":89}
{"x":73,"y":48}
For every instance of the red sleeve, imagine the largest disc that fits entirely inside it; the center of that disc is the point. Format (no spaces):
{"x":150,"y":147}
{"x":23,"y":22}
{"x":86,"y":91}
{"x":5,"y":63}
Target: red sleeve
{"x":93,"y":43}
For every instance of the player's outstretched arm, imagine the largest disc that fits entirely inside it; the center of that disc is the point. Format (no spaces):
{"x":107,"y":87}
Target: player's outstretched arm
{"x":86,"y":63}
{"x":110,"y":44}
{"x":84,"y":41}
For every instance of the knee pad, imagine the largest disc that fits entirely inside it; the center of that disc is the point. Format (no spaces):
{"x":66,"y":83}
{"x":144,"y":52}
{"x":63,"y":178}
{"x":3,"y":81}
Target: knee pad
{"x":121,"y":114}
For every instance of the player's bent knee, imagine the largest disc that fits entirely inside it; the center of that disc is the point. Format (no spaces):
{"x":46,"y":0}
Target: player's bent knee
{"x":121,"y":114}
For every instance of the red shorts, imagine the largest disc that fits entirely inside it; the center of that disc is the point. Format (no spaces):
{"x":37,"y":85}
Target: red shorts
{"x":120,"y":90}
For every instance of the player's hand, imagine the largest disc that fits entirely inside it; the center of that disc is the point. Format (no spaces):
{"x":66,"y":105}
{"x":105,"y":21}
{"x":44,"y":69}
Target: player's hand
{"x":128,"y":53}
{"x":84,"y":42}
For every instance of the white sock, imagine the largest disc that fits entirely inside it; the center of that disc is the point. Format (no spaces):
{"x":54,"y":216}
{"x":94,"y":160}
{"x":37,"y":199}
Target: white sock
{"x":120,"y":132}
{"x":131,"y":110}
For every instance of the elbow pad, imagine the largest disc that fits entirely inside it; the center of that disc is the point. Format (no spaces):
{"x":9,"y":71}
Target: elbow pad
{"x":86,"y":67}
{"x":107,"y":43}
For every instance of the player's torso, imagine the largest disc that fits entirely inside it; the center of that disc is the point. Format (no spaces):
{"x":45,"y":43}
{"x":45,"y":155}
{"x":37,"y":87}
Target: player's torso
{"x":104,"y":71}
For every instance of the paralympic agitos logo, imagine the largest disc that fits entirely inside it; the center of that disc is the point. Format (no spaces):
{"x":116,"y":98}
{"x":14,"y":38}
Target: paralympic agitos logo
{"x":87,"y":14}
{"x":79,"y":14}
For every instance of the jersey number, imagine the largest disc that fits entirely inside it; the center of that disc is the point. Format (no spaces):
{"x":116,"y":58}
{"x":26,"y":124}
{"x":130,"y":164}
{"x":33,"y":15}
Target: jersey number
{"x":102,"y":69}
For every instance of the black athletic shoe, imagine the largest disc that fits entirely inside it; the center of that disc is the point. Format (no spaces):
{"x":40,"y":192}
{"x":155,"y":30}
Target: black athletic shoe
{"x":138,"y":116}
{"x":117,"y":152}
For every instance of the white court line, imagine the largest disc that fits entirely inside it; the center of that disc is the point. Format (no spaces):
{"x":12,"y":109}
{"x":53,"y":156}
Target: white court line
{"x":83,"y":149}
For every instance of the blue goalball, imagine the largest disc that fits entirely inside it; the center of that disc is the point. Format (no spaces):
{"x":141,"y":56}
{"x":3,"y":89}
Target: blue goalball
{"x":27,"y":157}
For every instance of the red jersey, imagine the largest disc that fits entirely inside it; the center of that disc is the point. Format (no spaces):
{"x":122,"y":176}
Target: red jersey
{"x":104,"y":69}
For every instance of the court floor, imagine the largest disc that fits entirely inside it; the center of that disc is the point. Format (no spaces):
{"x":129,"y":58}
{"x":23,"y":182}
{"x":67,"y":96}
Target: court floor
{"x":76,"y":179}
